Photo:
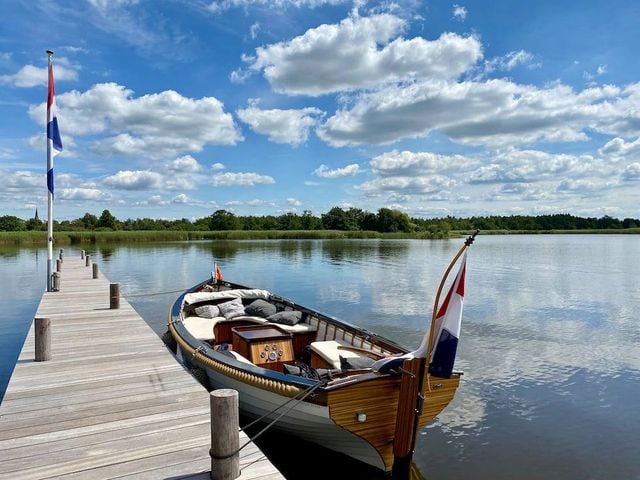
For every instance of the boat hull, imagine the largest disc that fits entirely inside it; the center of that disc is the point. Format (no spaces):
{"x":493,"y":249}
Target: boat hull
{"x":309,"y":421}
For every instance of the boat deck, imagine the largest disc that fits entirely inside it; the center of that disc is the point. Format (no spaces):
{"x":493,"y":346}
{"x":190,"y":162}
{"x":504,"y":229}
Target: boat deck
{"x":112,"y":402}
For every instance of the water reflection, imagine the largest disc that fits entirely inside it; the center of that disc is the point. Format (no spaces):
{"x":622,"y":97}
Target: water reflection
{"x":548,"y":344}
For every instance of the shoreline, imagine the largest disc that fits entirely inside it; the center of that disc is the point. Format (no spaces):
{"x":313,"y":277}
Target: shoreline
{"x":33,"y":238}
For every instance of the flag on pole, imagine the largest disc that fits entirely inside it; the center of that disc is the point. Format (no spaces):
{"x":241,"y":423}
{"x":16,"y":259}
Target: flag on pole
{"x":446,"y":334}
{"x":447,"y":329}
{"x":54,"y":142}
{"x":218,"y":274}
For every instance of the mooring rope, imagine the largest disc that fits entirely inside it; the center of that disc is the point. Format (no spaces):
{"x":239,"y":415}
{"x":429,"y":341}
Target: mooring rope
{"x":305,"y":394}
{"x":129,"y":295}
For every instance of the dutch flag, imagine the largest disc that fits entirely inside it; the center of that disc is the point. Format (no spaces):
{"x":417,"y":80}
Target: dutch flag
{"x":447,"y":329}
{"x":54,"y":142}
{"x":446,"y":332}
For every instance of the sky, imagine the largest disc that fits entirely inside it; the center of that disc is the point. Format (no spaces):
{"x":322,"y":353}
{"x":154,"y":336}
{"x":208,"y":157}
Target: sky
{"x":177,"y":108}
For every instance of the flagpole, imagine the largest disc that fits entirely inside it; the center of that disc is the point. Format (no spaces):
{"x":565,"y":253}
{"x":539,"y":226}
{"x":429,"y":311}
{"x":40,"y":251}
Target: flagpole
{"x":49,"y":192}
{"x":411,"y":398}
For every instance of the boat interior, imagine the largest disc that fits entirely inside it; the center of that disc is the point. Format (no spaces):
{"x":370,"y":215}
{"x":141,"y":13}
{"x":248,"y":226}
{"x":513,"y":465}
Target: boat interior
{"x":258,"y":328}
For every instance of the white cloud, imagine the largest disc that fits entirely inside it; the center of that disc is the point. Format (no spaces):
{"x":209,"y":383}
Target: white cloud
{"x":158,"y":125}
{"x":348,"y":171}
{"x":219,"y":6}
{"x":281,"y":126}
{"x":217,"y":166}
{"x":361,"y":52}
{"x":255,"y":28}
{"x":185,"y":164}
{"x":82,"y":194}
{"x":496,"y":112}
{"x":408,"y":185}
{"x":508,"y":62}
{"x":134,"y":180}
{"x":460,"y":12}
{"x":180,"y":199}
{"x":30,"y":76}
{"x":631,"y":172}
{"x":229,"y":179}
{"x":618,"y":147}
{"x":408,"y":163}
{"x":293,"y":202}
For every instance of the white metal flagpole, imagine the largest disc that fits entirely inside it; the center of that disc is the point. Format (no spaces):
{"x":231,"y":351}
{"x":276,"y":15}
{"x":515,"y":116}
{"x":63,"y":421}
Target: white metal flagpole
{"x":54,"y":146}
{"x":49,"y":179}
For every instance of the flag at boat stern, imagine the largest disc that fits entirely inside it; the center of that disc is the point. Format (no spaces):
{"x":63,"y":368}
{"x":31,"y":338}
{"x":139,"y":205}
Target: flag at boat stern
{"x":448,"y":323}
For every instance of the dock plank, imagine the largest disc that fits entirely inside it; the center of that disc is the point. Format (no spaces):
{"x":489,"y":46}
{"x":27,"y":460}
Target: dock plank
{"x":111,"y":403}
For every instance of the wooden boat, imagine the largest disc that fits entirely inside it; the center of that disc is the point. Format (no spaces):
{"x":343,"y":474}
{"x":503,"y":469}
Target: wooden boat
{"x":326,"y":381}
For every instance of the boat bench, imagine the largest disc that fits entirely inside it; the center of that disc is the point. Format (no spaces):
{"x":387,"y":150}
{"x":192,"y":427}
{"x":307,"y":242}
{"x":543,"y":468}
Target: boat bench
{"x":326,"y":354}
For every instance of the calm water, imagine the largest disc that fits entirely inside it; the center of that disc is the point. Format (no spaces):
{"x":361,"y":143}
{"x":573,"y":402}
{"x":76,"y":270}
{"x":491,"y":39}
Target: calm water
{"x":549,"y":345}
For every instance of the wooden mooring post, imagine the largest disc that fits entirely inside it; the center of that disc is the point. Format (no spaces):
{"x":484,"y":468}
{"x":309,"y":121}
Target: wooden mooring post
{"x":42,"y":339}
{"x":95,"y":270}
{"x":58,"y":265}
{"x":81,"y":254}
{"x":87,"y":260}
{"x":225,"y":441}
{"x":114,"y":295}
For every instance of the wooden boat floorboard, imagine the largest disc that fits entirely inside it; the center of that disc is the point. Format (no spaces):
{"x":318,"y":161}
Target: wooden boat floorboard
{"x":111,"y":403}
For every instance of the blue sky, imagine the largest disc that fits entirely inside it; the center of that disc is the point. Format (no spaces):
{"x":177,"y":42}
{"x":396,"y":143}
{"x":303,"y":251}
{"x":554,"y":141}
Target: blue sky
{"x":176,"y":108}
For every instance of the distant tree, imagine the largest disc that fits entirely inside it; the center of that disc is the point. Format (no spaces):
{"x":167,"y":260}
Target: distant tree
{"x":34,"y":224}
{"x":393,"y":221}
{"x":89,"y":221}
{"x":9,"y":223}
{"x":107,"y":220}
{"x":309,"y":221}
{"x":223,"y":220}
{"x":338,"y":219}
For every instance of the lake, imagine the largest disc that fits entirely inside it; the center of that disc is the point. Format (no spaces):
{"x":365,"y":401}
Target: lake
{"x":550,"y":341}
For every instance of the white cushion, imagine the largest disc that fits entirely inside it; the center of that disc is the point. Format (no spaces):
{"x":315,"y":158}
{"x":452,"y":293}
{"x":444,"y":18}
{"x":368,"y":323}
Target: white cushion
{"x":200,"y":327}
{"x":197,"y":297}
{"x":297,"y":328}
{"x":328,"y":350}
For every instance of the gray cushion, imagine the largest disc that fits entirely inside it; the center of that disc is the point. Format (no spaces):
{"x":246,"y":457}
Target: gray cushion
{"x":288,"y":317}
{"x":232,"y":308}
{"x":207,"y":311}
{"x":260,"y":308}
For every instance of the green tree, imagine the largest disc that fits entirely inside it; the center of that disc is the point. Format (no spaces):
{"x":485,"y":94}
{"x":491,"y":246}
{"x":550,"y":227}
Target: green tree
{"x":338,"y":219}
{"x":89,"y":221}
{"x":223,"y":220}
{"x":9,"y":223}
{"x":393,"y":221}
{"x":107,"y":220}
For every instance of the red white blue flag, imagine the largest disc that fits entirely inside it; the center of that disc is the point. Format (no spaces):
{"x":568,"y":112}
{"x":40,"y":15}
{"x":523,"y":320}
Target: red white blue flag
{"x":54,"y":142}
{"x":447,"y":328}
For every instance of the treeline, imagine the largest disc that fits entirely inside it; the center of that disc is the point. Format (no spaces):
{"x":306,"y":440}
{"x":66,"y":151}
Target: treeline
{"x":385,"y":220}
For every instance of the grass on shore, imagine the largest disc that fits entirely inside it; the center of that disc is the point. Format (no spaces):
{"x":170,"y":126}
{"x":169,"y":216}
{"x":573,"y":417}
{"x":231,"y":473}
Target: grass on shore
{"x":91,"y":238}
{"x":88,"y":238}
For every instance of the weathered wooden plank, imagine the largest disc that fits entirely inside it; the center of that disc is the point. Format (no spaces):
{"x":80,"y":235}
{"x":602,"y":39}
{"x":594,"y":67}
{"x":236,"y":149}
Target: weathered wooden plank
{"x":103,"y":407}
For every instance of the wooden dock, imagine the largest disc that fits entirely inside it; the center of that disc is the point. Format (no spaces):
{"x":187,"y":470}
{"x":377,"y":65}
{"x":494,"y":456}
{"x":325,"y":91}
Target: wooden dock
{"x":112,"y":402}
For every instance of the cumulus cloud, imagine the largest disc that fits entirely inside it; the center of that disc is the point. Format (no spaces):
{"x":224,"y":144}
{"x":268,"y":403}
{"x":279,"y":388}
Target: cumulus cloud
{"x":495,"y":113}
{"x":31,"y":76}
{"x":217,"y":166}
{"x":180,"y":199}
{"x":631,"y":172}
{"x":409,"y":185}
{"x":81,"y":194}
{"x":294,"y":202}
{"x":185,"y":164}
{"x":508,"y":62}
{"x":361,"y":52}
{"x":407,"y":163}
{"x":158,"y":125}
{"x":219,"y":6}
{"x":281,"y":126}
{"x":229,"y":179}
{"x":618,"y":147}
{"x":348,"y":171}
{"x":134,"y":180}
